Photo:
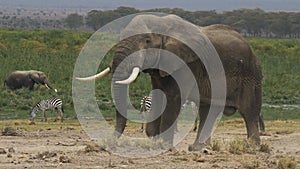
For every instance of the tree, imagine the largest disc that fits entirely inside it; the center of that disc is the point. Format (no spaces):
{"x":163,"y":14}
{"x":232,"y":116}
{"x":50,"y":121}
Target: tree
{"x":96,"y":19}
{"x":74,"y":20}
{"x":123,"y":11}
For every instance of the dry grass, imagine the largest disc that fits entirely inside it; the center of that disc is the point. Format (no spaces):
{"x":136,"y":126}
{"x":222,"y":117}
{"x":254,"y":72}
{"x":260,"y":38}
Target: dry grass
{"x":24,"y":125}
{"x":264,"y":147}
{"x":240,"y":146}
{"x":286,"y":162}
{"x":91,"y":147}
{"x":282,"y":126}
{"x":252,"y":164}
{"x":215,"y":145}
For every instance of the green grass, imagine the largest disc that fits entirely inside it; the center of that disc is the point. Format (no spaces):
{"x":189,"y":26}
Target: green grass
{"x":55,"y":52}
{"x":281,"y":71}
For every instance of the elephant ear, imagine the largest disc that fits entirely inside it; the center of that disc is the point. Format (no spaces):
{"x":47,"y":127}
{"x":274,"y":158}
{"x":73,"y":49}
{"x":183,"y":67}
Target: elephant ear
{"x":174,"y":47}
{"x":34,"y":76}
{"x":184,"y":40}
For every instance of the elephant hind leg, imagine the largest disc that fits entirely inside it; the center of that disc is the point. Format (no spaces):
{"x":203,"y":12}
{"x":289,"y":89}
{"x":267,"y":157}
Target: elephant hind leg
{"x":252,"y":128}
{"x":250,"y":111}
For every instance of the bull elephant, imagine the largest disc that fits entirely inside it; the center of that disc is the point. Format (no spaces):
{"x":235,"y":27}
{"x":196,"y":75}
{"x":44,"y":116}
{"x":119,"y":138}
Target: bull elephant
{"x":243,"y":82}
{"x":18,"y":79}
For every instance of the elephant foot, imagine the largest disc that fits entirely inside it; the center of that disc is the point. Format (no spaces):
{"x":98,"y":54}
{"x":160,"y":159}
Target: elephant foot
{"x":200,"y":147}
{"x":117,"y":134}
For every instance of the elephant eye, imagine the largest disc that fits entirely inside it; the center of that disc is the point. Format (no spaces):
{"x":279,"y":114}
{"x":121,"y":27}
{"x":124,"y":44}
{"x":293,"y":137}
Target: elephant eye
{"x":148,"y":41}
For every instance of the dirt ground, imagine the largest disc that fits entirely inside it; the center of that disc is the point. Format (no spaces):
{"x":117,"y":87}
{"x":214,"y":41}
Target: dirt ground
{"x":69,"y":147}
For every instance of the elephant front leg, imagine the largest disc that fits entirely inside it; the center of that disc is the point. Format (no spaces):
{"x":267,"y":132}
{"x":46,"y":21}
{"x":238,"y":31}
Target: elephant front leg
{"x":120,"y":124}
{"x":154,"y":117}
{"x":31,"y":86}
{"x":169,"y":119}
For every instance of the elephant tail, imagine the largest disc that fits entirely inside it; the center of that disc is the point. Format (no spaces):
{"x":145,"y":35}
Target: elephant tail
{"x":4,"y":82}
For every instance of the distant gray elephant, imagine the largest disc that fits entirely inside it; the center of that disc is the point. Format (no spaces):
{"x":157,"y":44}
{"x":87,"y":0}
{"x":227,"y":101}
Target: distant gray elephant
{"x":18,"y":79}
{"x":241,"y":66}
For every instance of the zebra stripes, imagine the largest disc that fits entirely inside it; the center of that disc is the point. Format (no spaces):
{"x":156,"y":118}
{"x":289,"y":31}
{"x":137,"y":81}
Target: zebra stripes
{"x":145,"y":107}
{"x":146,"y":103}
{"x":44,"y":105}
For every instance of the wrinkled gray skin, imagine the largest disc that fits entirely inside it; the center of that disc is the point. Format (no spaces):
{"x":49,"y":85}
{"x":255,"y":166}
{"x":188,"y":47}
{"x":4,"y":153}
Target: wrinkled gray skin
{"x":242,"y":70}
{"x":19,"y":79}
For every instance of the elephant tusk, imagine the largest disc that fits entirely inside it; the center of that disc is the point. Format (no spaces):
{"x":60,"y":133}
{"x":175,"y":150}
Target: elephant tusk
{"x":94,"y":77}
{"x":47,"y":86}
{"x":132,"y":77}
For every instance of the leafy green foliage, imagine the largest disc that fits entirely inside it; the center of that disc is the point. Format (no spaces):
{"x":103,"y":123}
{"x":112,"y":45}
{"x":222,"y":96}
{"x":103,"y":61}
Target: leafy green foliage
{"x":280,"y":62}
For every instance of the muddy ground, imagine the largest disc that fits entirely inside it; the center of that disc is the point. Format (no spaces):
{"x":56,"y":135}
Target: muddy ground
{"x":68,"y":146}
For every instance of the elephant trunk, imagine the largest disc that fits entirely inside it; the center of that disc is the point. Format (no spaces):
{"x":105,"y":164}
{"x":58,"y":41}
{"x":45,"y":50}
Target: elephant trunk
{"x":120,"y":100}
{"x":125,"y":69}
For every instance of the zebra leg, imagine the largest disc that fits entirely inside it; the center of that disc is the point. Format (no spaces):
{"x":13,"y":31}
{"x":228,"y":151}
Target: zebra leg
{"x":195,"y":110}
{"x":56,"y":116}
{"x":144,"y":117}
{"x":62,"y":114}
{"x":44,"y":115}
{"x":176,"y":126}
{"x":142,"y":128}
{"x":195,"y":124}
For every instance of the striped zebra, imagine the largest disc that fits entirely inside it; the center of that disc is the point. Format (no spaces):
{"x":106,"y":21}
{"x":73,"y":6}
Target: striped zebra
{"x":145,"y":107}
{"x":44,"y":105}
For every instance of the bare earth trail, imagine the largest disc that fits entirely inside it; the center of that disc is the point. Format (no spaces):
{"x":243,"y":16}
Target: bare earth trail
{"x":70,"y":147}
